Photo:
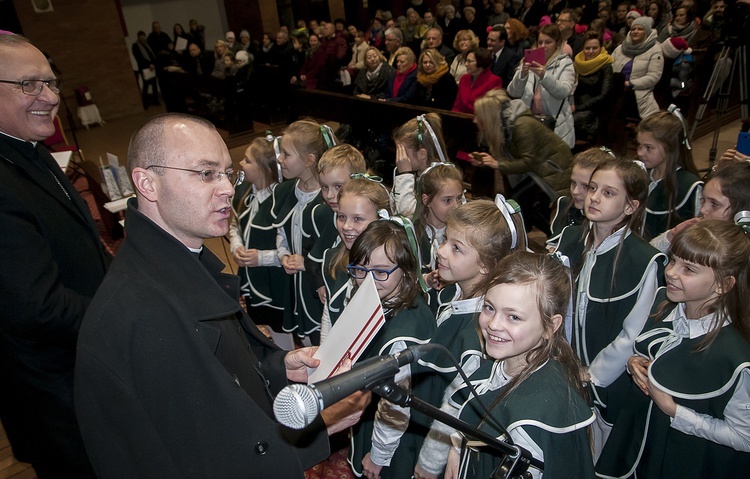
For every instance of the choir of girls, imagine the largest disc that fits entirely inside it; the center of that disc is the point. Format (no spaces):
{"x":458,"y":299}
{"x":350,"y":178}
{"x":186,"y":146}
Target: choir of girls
{"x":610,"y":356}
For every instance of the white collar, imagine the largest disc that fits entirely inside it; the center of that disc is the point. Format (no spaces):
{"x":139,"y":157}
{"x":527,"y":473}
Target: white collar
{"x":690,"y":328}
{"x":610,"y":241}
{"x":460,"y":306}
{"x":16,"y":138}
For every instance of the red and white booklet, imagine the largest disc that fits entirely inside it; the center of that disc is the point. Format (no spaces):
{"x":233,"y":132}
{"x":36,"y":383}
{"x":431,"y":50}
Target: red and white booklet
{"x":354,"y":330}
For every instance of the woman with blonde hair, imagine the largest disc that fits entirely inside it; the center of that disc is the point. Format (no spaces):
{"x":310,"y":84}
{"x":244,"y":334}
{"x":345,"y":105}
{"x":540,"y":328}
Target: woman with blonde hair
{"x":402,"y":84}
{"x":372,"y":81}
{"x":464,"y":43}
{"x":435,"y":85}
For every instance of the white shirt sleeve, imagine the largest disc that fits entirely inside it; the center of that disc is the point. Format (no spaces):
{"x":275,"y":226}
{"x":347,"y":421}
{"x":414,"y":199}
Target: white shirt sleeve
{"x":403,"y":193}
{"x":268,"y":257}
{"x":282,"y":244}
{"x":235,"y":237}
{"x":610,"y":363}
{"x":391,"y":420}
{"x":733,"y":431}
{"x":325,"y":322}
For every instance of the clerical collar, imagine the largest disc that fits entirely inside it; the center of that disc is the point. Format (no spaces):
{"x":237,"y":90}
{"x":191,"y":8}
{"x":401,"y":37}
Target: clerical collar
{"x":16,"y":138}
{"x":195,"y":250}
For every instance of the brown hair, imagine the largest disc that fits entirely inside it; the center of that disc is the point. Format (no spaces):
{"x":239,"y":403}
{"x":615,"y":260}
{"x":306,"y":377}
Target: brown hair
{"x":430,"y":183}
{"x":734,"y":183}
{"x":487,"y":231}
{"x":377,"y":195}
{"x":473,"y":39}
{"x":396,"y":245}
{"x":410,"y":132}
{"x":306,"y":138}
{"x":667,"y":130}
{"x":551,"y":283}
{"x":725,"y":248}
{"x":519,"y":30}
{"x":264,"y":154}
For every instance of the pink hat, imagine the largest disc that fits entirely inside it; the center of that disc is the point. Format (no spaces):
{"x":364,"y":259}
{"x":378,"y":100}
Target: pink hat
{"x":546,"y":20}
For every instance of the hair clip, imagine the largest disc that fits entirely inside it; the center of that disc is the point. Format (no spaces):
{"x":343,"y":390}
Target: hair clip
{"x":327,"y":133}
{"x":641,"y":164}
{"x":365,"y":176}
{"x":408,"y":227}
{"x":676,"y":112}
{"x":276,"y":140}
{"x":742,"y":219}
{"x":269,"y":136}
{"x":508,"y":208}
{"x":422,"y":123}
{"x":607,"y":151}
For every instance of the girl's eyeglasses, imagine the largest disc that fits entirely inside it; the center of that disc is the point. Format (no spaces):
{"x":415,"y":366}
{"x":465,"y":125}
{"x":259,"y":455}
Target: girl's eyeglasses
{"x":360,"y":272}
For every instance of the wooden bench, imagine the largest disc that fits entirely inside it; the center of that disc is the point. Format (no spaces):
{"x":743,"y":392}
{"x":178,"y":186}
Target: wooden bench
{"x":459,"y":131}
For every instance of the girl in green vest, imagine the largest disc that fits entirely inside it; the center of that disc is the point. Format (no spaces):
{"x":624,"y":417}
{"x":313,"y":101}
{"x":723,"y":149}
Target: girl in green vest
{"x":675,"y":190}
{"x":686,"y":412}
{"x":386,"y":441}
{"x":617,"y":274}
{"x":439,"y":190}
{"x":532,"y":386}
{"x":253,"y":237}
{"x":361,"y":201}
{"x":300,"y":214}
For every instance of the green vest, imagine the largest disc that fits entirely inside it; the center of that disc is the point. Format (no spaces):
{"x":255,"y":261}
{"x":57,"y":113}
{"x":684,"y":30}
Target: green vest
{"x":700,"y":380}
{"x":414,"y":326}
{"x":657,"y":205}
{"x":546,"y":406}
{"x":335,"y":288}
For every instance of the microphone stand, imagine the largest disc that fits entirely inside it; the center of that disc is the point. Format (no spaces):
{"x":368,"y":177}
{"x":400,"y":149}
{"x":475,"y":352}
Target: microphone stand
{"x":517,"y":460}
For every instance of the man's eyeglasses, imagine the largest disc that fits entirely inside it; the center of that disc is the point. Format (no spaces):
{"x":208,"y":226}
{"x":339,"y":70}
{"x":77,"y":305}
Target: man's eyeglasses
{"x":34,"y":87}
{"x":210,"y":176}
{"x":360,"y":272}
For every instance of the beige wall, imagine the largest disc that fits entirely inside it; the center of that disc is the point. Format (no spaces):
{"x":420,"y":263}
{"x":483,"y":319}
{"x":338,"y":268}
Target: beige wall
{"x":86,"y":40}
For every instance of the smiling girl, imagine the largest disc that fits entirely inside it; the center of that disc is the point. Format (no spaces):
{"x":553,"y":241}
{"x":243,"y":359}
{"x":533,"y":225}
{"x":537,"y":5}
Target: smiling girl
{"x":532,"y":385}
{"x":385,"y":442}
{"x":617,"y":277}
{"x":685,"y":414}
{"x":478,"y":235}
{"x":360,"y":202}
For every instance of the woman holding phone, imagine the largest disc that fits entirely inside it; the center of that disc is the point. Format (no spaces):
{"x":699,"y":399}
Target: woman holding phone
{"x":544,"y":84}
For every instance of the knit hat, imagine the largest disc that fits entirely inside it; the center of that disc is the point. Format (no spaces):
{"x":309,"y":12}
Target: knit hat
{"x":242,"y":57}
{"x":229,"y":35}
{"x":633,"y":14}
{"x":645,"y":22}
{"x":674,"y":46}
{"x":545,"y":20}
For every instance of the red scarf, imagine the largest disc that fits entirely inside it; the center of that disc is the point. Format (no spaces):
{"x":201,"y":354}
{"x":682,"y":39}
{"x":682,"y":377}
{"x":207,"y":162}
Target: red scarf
{"x":400,"y":77}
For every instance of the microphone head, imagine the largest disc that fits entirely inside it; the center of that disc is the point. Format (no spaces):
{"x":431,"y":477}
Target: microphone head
{"x":296,"y":406}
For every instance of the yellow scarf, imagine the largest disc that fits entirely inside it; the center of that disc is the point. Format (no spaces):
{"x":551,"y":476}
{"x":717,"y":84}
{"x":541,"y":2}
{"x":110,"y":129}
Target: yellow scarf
{"x":587,"y":67}
{"x":429,"y":80}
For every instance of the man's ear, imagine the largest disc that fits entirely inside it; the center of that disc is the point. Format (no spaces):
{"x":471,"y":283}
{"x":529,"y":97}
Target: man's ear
{"x":146,"y":183}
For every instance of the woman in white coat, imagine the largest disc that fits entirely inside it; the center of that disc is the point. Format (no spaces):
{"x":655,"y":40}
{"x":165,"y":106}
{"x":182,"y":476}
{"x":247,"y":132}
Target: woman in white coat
{"x":641,"y":60}
{"x":547,"y":88}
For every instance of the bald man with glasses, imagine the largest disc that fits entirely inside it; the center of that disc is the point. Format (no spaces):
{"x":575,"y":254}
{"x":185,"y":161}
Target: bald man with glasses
{"x":51,"y":263}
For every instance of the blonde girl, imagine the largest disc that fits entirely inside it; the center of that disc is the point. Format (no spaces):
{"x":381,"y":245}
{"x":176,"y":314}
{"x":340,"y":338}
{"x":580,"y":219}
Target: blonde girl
{"x":385,"y":442}
{"x":419,"y":143}
{"x":334,"y":171}
{"x":361,"y":201}
{"x":531,"y":383}
{"x":299,"y":215}
{"x":253,"y":237}
{"x":675,"y":190}
{"x":478,"y":235}
{"x":685,"y":414}
{"x":617,"y":274}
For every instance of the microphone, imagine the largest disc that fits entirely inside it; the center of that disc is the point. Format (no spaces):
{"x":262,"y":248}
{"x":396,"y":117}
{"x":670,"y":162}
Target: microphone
{"x":297,"y":405}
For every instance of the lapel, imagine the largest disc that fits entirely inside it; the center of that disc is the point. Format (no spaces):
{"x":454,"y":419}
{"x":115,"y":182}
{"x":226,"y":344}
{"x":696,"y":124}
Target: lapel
{"x":19,"y":154}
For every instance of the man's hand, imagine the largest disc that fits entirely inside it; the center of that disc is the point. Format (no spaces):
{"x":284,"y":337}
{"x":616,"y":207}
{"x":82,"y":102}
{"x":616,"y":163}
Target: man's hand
{"x":297,"y":362}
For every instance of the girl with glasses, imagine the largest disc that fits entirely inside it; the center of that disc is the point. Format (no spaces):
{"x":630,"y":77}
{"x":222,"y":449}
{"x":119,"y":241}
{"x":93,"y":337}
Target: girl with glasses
{"x":385,"y":442}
